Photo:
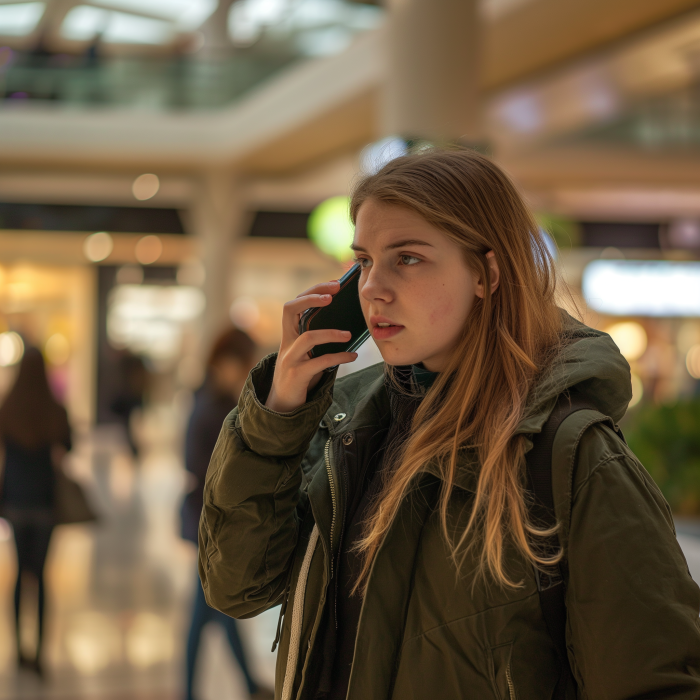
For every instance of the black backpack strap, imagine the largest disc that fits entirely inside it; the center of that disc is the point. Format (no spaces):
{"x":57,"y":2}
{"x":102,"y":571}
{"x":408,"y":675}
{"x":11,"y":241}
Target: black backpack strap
{"x":551,"y":581}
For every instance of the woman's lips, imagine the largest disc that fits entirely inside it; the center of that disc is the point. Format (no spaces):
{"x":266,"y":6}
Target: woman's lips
{"x":385,"y":332}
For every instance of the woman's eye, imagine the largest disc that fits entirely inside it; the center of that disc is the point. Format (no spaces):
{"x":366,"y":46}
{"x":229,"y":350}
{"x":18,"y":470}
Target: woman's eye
{"x":362,"y":262}
{"x":408,"y":260}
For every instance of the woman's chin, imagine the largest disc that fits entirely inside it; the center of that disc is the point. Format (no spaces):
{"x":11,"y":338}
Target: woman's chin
{"x":398,"y":359}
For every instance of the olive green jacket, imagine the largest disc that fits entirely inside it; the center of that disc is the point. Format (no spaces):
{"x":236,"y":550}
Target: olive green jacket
{"x":273,"y":513}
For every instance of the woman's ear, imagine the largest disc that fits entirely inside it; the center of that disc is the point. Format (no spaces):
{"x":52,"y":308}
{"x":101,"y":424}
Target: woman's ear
{"x":494,"y":272}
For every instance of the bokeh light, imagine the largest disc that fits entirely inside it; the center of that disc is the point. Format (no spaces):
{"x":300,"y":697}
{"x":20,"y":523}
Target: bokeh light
{"x":92,"y":642}
{"x":688,"y":335}
{"x":643,"y":287}
{"x":57,"y":349}
{"x":11,"y":348}
{"x":145,"y":186}
{"x":148,"y":249}
{"x":630,"y":337}
{"x":149,"y":640}
{"x":245,"y":313}
{"x":98,"y":246}
{"x":637,"y":390}
{"x":692,"y":361}
{"x":148,"y":319}
{"x":331,"y":229}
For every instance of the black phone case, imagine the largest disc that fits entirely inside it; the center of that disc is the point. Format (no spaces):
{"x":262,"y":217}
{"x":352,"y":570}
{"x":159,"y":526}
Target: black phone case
{"x":343,"y":313}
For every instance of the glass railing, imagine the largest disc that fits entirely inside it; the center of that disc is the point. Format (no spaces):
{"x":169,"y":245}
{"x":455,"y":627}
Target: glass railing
{"x":670,"y":120}
{"x":265,"y":36}
{"x":184,"y":83}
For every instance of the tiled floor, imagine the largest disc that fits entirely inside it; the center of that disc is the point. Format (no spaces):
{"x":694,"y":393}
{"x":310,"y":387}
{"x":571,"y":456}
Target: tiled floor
{"x":120,"y":590}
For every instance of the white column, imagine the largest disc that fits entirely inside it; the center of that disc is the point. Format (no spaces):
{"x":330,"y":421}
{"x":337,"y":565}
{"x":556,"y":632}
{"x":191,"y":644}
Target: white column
{"x":433,"y":59}
{"x":217,"y":218}
{"x":215,"y":31}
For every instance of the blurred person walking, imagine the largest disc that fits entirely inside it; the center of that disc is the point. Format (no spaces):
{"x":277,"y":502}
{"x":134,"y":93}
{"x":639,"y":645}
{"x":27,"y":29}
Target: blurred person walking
{"x":35,"y":435}
{"x":230,"y":360}
{"x":133,"y":377}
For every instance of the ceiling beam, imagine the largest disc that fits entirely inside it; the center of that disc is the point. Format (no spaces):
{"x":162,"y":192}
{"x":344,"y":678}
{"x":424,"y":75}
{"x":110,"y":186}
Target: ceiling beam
{"x":541,"y":33}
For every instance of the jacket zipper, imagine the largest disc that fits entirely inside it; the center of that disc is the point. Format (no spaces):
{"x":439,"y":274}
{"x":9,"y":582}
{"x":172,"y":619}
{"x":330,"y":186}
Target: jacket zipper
{"x":326,"y":453}
{"x":511,"y":685}
{"x":340,"y":539}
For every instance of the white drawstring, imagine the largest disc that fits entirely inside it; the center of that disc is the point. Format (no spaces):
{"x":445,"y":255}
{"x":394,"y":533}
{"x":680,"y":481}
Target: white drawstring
{"x":298,"y":616}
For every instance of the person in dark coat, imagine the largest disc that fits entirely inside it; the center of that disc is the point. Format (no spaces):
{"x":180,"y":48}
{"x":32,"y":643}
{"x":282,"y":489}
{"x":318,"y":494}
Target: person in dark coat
{"x":35,"y":435}
{"x":230,"y":360}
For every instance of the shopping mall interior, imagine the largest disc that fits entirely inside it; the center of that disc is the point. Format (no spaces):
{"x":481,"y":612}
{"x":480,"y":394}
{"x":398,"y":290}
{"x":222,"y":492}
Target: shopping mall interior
{"x":170,"y":168}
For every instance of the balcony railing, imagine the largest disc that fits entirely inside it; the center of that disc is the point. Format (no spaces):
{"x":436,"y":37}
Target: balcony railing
{"x":174,"y":83}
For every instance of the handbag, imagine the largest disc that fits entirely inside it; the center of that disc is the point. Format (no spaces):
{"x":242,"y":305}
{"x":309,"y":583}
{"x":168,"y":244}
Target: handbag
{"x":71,"y":505}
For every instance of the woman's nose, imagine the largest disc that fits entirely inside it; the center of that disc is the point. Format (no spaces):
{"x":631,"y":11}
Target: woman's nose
{"x":376,"y":286}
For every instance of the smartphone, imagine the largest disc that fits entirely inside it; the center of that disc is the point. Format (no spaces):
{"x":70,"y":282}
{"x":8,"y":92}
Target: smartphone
{"x":344,"y":313}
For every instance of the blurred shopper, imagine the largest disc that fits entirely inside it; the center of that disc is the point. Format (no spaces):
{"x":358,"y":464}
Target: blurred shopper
{"x":229,"y":363}
{"x":133,"y":381}
{"x":35,"y":436}
{"x":389,"y":511}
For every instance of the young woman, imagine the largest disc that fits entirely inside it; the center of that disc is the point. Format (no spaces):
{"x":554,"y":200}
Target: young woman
{"x":388,"y":511}
{"x":35,"y":434}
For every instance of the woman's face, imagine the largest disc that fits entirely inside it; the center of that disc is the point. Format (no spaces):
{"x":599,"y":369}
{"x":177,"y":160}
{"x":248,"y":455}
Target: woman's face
{"x":415,"y":279}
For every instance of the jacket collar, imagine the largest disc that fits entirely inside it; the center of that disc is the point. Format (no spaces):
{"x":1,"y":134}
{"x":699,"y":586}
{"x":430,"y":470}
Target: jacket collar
{"x":588,"y":360}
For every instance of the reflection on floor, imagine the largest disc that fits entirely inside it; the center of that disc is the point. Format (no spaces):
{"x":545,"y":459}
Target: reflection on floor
{"x":119,"y":591}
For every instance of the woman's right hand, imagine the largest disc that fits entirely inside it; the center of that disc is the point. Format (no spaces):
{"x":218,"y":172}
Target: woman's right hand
{"x":295,"y":372}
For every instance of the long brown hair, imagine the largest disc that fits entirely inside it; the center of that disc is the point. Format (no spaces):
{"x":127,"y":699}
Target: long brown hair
{"x":30,"y":416}
{"x":508,"y":338}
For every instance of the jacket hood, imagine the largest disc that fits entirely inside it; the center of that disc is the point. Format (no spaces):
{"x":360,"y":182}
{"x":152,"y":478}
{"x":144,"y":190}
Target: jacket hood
{"x":590,"y":361}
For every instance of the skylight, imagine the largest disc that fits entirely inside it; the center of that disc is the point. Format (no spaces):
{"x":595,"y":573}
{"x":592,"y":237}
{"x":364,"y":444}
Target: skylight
{"x":187,"y":14}
{"x":124,"y":28}
{"x":84,"y":23}
{"x":319,"y":27}
{"x":20,"y":19}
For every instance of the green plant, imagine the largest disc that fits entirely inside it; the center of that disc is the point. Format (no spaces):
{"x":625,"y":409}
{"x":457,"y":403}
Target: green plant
{"x":666,"y":439}
{"x":565,"y":232}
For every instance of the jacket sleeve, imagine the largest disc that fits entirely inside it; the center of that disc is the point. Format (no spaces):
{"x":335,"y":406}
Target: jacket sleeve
{"x":249,"y":524}
{"x":632,"y":606}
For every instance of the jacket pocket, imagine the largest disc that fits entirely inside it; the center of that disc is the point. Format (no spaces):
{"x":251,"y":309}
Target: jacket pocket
{"x":502,"y":673}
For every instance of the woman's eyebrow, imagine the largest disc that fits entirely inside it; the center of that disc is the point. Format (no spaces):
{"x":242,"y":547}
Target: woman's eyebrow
{"x":391,"y":246}
{"x":409,"y":242}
